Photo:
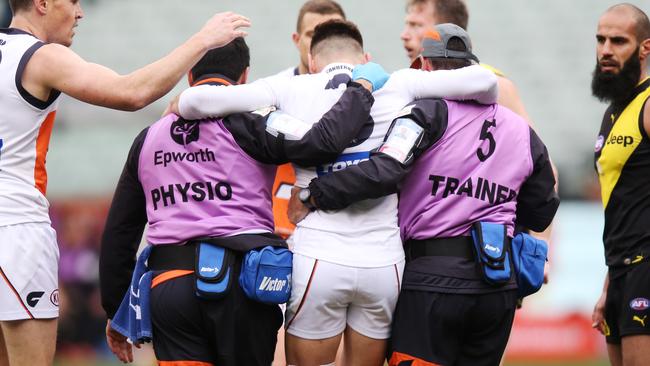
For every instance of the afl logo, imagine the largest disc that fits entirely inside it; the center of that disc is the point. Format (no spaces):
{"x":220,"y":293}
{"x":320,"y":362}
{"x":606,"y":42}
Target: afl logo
{"x":54,"y":297}
{"x":183,"y":132}
{"x":599,"y":143}
{"x":639,"y":304}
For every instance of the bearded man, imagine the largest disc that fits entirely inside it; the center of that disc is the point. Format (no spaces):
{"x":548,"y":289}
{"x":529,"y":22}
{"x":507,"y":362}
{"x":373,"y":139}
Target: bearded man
{"x":622,"y":156}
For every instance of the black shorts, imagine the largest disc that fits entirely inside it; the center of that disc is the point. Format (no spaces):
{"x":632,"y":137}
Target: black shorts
{"x":226,"y":332}
{"x":451,"y":329}
{"x":627,"y":308}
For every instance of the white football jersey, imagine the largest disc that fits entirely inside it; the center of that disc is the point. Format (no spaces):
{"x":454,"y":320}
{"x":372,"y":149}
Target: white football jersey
{"x":365,"y":234}
{"x":25,"y":128}
{"x":288,"y":72}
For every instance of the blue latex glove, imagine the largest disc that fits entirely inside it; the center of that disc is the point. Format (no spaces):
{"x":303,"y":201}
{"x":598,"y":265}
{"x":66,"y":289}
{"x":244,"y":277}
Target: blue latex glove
{"x":371,"y":72}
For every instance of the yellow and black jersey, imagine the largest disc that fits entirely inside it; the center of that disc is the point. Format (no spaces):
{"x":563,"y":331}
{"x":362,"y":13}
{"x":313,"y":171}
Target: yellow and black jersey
{"x":623,"y":164}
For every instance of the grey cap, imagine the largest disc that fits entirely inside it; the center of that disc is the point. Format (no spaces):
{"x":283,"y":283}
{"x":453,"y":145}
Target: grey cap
{"x":435,"y":41}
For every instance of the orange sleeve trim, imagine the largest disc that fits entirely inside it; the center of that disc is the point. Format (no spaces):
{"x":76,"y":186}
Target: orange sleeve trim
{"x":284,"y":175}
{"x":397,"y":358}
{"x":213,"y":80}
{"x":42,"y":145}
{"x":169,"y":275}
{"x":184,"y":363}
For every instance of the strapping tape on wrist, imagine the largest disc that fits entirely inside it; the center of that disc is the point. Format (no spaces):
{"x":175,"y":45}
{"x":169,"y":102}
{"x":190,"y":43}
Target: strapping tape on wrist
{"x":266,"y":275}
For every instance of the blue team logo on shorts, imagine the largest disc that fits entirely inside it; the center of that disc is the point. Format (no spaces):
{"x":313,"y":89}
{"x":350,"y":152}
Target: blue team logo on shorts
{"x":342,"y":162}
{"x":640,"y":303}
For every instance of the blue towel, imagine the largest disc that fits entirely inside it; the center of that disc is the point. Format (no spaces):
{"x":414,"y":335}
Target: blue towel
{"x":133,"y":317}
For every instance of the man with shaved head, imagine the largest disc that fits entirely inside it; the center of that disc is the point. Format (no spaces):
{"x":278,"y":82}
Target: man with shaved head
{"x":622,"y":155}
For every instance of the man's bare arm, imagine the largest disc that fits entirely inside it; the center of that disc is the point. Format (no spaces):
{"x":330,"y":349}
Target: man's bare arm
{"x":598,"y":315}
{"x":56,"y":67}
{"x":509,"y":97}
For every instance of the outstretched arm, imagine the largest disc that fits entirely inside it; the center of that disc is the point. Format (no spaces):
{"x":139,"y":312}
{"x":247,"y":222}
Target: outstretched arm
{"x":56,"y":67}
{"x":467,"y":83}
{"x":277,"y":138}
{"x":210,"y":101}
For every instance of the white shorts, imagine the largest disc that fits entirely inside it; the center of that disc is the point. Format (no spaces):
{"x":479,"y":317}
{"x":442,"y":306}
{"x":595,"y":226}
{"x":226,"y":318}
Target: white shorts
{"x":327,"y":296}
{"x":29,"y":286}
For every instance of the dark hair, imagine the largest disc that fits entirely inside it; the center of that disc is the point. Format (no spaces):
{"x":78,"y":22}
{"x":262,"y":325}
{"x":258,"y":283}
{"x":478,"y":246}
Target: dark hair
{"x":322,"y":7}
{"x":16,"y":5}
{"x":443,"y":63}
{"x":230,"y":60}
{"x":446,"y":11}
{"x":334,"y":28}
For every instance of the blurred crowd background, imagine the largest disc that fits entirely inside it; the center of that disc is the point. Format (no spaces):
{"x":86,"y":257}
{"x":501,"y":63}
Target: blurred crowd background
{"x":547,"y":47}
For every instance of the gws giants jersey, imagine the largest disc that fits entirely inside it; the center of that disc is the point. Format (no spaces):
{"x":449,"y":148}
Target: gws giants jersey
{"x":25,"y":128}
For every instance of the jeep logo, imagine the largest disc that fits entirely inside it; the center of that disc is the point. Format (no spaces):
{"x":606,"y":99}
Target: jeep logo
{"x":620,"y":140}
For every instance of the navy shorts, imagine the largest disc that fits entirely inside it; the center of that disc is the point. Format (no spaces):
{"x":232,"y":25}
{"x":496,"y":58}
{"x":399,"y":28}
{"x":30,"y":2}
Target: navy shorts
{"x":451,"y":329}
{"x":627,"y":308}
{"x":230,"y":331}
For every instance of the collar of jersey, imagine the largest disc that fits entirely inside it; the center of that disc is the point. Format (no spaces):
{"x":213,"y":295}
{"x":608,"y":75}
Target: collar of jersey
{"x":213,"y":79}
{"x":12,"y":31}
{"x":643,"y":81}
{"x":338,"y":68}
